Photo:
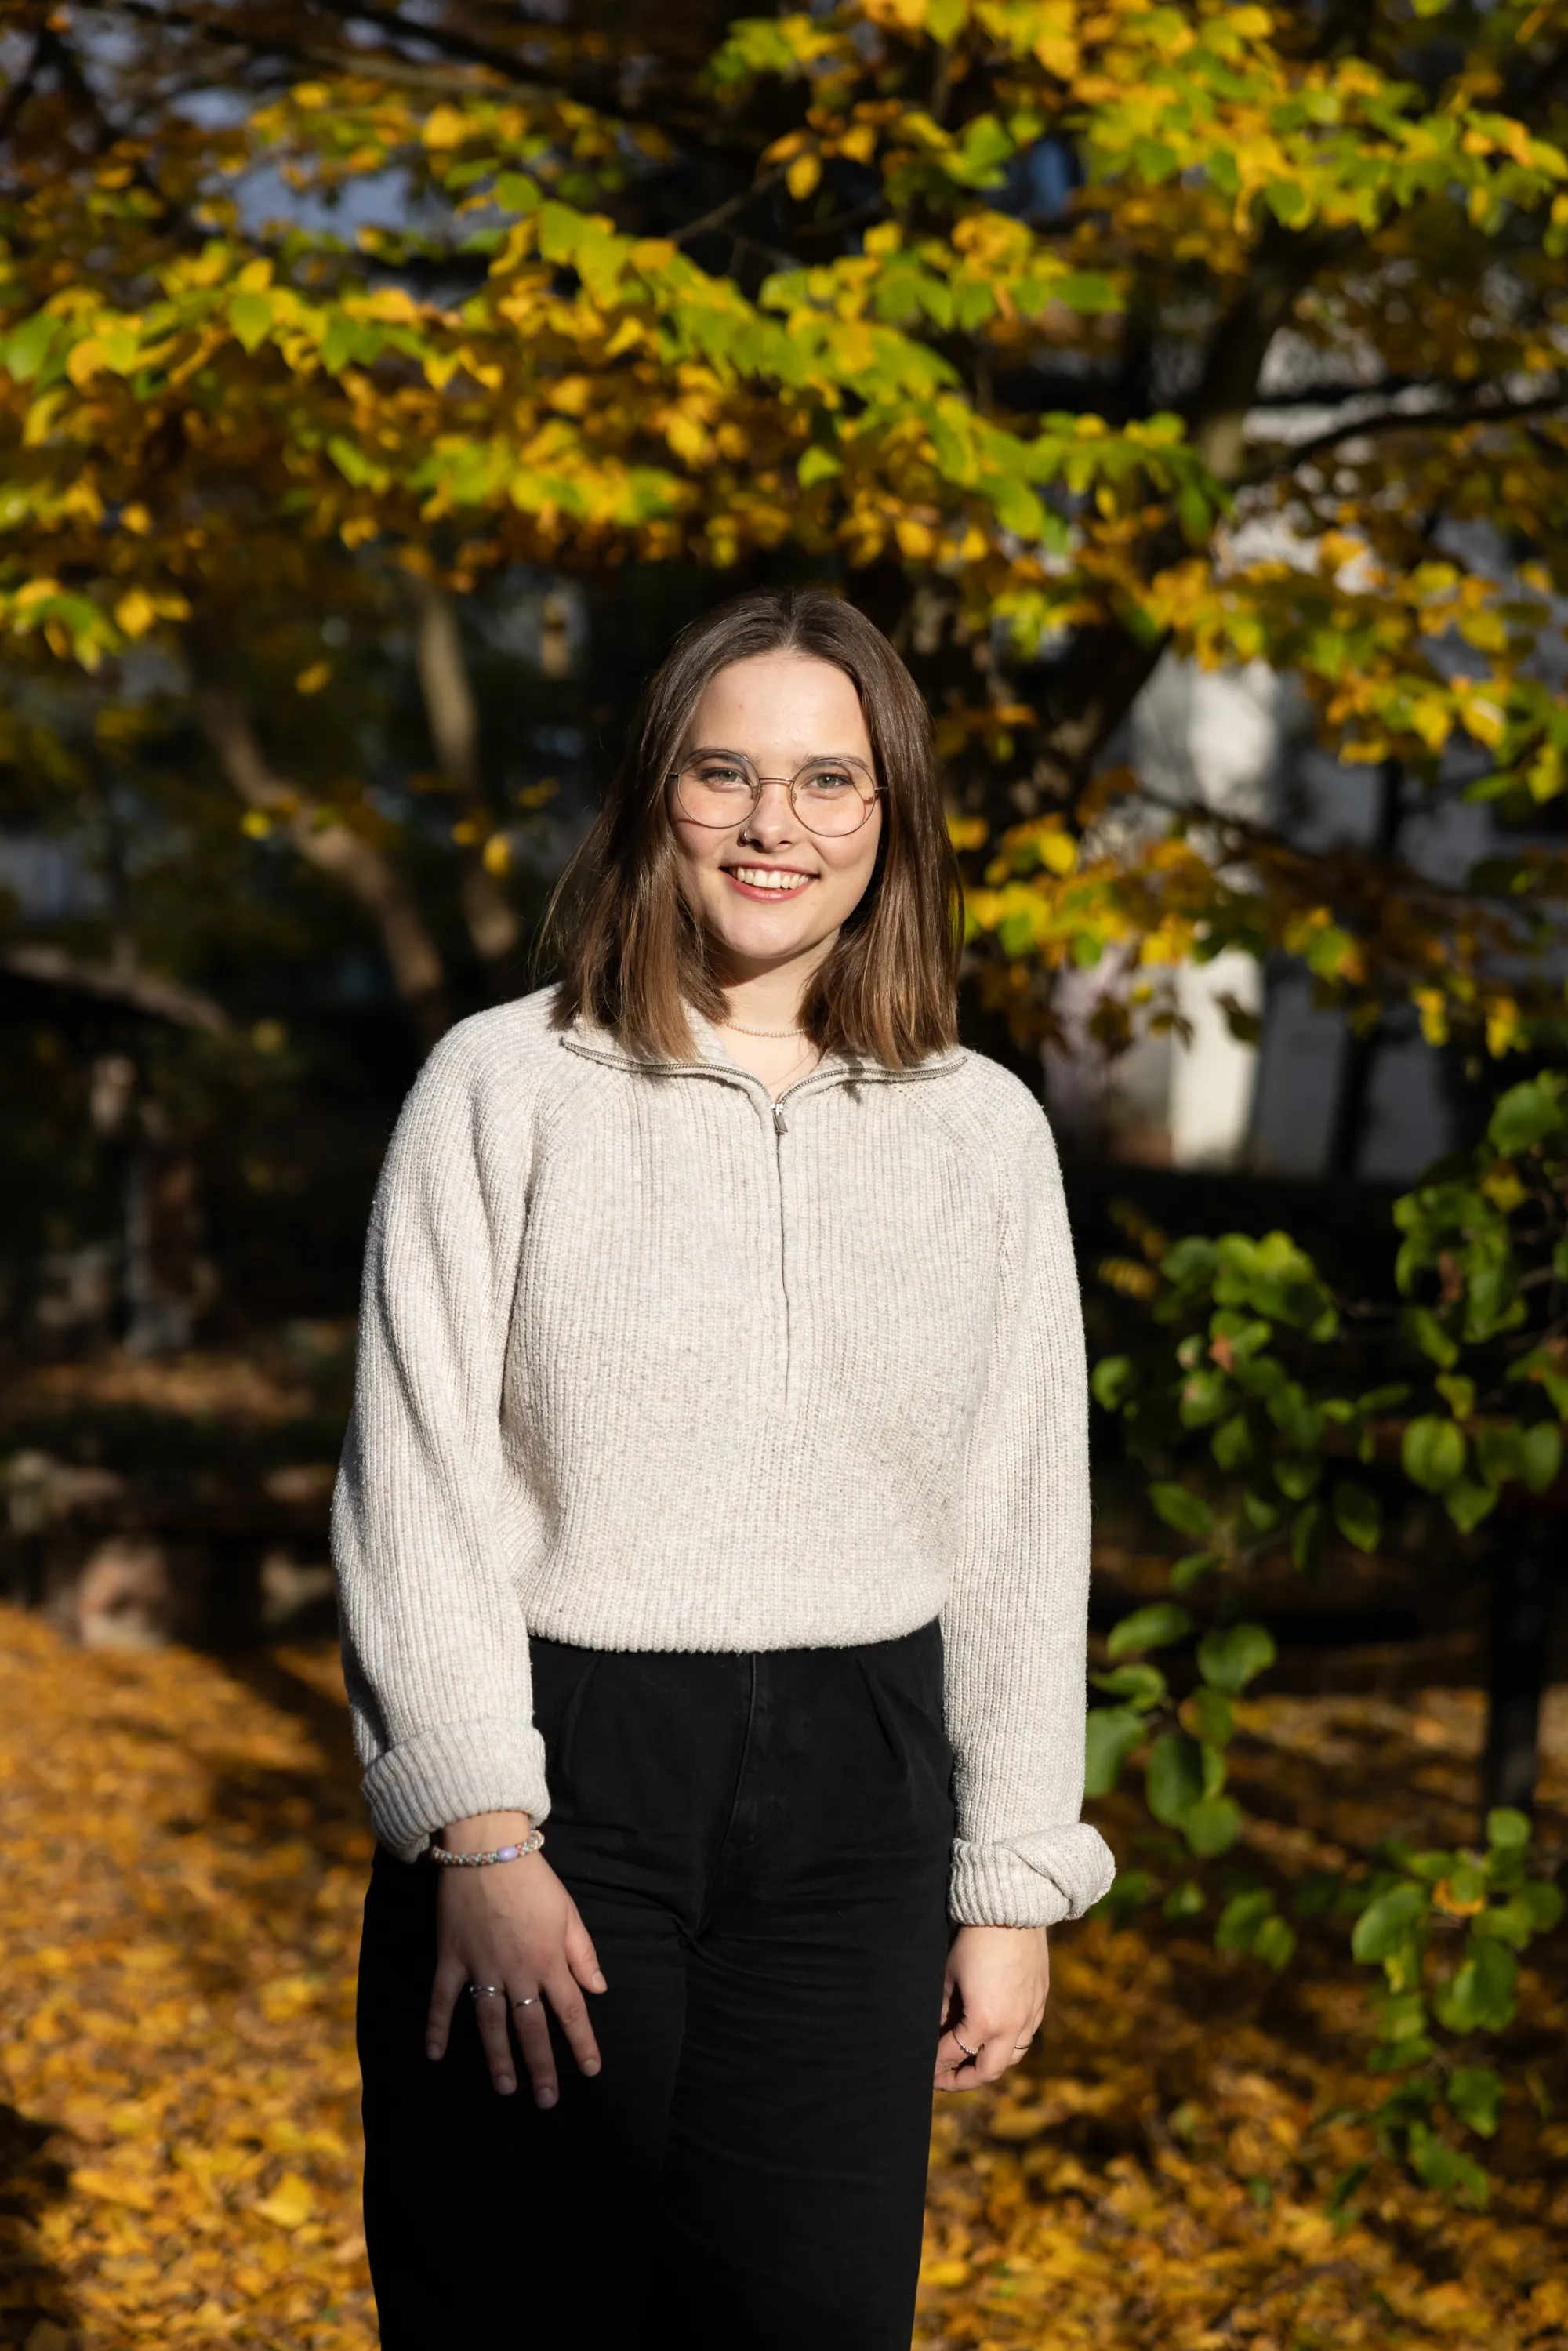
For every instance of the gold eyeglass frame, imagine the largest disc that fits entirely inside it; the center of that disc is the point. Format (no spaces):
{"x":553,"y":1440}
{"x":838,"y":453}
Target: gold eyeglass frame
{"x":868,"y":797}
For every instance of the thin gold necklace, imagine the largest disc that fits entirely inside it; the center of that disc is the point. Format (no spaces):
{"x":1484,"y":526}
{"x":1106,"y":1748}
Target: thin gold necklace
{"x":741,"y":1030}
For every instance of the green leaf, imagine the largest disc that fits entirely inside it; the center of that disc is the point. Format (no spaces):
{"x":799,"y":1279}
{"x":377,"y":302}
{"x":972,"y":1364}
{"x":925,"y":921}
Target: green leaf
{"x":1113,"y":1380}
{"x":1187,"y":1572}
{"x":1432,"y":1452}
{"x":1306,"y":1534}
{"x":516,"y":193}
{"x":1508,"y":1831}
{"x":817,"y":465}
{"x":1480,"y":1997}
{"x":1184,"y":1901}
{"x":1241,"y":1919}
{"x":1526,"y":1115}
{"x":1129,"y":1890}
{"x":250,"y":316}
{"x":1544,"y":1902}
{"x":1290,"y":203}
{"x":28,"y":346}
{"x":1213,"y":1716}
{"x":1510,"y":1922}
{"x":1137,"y":1685}
{"x":1111,"y":1734}
{"x":1276,"y":1943}
{"x":1231,"y":1444}
{"x":1190,"y":1261}
{"x":1539,"y":1454}
{"x":1467,"y":1501}
{"x":1173,"y":1780}
{"x":1356,"y":1515}
{"x":1297,"y":1476}
{"x":1431,"y":1336}
{"x":1231,"y":1656}
{"x":1212,"y":1826}
{"x":1154,"y":1627}
{"x":1444,"y":2167}
{"x":1474,"y":2092}
{"x":1386,"y":1923}
{"x":1180,"y":1508}
{"x":1204,"y":1395}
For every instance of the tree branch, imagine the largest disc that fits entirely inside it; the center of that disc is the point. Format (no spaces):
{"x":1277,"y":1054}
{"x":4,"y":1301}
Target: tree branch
{"x":142,"y":992}
{"x":1427,"y":420}
{"x":1283,"y":266}
{"x":328,"y":844}
{"x":449,"y":705}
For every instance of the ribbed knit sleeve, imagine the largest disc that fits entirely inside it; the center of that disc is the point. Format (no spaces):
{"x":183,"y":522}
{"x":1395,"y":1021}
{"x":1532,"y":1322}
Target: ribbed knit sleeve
{"x":1016,"y":1624}
{"x":430,"y":1529}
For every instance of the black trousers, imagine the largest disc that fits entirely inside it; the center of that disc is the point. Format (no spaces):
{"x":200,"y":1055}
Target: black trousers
{"x":758,"y":1846}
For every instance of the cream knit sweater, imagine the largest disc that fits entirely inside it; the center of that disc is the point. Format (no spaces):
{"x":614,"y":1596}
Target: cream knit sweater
{"x":646,"y":1363}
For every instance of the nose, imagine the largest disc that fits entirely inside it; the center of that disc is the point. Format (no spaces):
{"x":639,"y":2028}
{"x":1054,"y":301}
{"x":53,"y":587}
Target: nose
{"x":772,"y":821}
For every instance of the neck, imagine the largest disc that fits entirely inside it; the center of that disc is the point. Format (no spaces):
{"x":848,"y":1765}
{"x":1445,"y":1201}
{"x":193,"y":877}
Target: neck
{"x":770,"y":998}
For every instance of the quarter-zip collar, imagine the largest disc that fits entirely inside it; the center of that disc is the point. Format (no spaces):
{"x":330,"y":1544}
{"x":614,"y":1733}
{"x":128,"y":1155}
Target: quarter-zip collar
{"x":712,"y":1061}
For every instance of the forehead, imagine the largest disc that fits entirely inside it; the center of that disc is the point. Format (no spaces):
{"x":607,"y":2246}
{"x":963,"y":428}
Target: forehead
{"x":785,"y":702}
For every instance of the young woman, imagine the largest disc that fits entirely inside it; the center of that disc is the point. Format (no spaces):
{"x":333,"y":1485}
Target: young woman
{"x":716,"y":1494}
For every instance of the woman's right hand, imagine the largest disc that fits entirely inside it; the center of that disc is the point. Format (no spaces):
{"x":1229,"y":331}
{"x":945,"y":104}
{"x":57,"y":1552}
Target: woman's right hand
{"x":512,"y":1924}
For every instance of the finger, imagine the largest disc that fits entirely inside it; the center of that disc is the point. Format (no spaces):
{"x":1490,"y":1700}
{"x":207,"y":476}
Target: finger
{"x":490,"y":2011}
{"x":581,"y":1958}
{"x":450,"y":1978}
{"x":994,"y":2059}
{"x":954,"y":2060}
{"x":571,"y":2010}
{"x":533,"y":2037}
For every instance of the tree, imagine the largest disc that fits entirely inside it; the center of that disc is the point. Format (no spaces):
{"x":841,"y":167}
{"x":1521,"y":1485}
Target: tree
{"x":985,"y":310}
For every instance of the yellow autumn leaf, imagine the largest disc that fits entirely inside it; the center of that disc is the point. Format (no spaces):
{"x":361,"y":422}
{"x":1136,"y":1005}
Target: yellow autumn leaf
{"x":803,"y":174}
{"x":444,"y":126}
{"x":135,"y":613}
{"x":290,"y":2204}
{"x":86,"y":359}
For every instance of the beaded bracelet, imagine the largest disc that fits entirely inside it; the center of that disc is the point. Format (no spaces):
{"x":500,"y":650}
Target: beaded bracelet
{"x":482,"y":1860}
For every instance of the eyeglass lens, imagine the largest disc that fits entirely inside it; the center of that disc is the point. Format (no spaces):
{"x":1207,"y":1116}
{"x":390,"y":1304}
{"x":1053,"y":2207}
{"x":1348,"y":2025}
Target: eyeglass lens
{"x":829,"y":795}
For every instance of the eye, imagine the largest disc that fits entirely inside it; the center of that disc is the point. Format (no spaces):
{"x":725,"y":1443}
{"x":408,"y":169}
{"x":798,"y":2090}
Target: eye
{"x":831,"y":781}
{"x":721,"y":775}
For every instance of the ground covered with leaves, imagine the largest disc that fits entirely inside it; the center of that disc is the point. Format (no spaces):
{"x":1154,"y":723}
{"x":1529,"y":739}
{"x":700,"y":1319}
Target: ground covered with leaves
{"x":182,"y":1858}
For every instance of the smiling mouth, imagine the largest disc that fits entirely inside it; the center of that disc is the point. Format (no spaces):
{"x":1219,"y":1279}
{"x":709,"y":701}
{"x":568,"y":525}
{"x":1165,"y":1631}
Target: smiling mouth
{"x":767,"y":880}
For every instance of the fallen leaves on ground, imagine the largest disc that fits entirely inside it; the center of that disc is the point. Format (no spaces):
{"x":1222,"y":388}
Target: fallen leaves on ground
{"x":1159,"y":2180}
{"x":182,"y":1863}
{"x":183,"y":1859}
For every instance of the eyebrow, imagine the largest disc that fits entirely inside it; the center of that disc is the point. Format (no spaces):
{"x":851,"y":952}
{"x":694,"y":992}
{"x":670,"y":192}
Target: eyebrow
{"x":728,"y":751}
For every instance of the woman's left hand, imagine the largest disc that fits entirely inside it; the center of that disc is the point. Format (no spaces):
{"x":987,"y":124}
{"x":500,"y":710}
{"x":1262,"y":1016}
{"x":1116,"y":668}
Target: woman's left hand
{"x":998,"y":1982}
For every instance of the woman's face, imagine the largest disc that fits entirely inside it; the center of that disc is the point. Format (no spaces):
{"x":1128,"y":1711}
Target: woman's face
{"x":767,"y":890}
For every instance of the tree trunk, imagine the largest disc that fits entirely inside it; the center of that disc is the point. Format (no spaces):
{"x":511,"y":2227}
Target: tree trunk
{"x":1523,"y":1609}
{"x":325,"y":842}
{"x":492,"y":921}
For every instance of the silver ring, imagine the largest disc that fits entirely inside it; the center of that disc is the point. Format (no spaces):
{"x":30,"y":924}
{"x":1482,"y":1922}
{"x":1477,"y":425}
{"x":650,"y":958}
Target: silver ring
{"x":486,"y":1991}
{"x":529,"y":1999}
{"x":964,"y":2046}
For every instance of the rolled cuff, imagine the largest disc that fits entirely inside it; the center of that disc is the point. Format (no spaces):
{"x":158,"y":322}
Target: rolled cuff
{"x":1032,"y":1882}
{"x":451,"y":1773}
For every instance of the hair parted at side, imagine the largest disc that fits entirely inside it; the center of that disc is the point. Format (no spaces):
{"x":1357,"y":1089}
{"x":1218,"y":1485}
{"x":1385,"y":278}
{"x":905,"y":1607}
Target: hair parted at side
{"x":632,"y":955}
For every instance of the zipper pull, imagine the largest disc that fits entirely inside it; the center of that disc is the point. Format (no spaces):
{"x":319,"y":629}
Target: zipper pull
{"x":780,"y":1124}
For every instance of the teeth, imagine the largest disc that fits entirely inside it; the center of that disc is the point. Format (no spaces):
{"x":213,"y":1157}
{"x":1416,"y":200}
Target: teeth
{"x":768,"y":877}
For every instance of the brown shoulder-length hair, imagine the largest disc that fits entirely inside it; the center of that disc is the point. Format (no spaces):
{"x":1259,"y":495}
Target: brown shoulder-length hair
{"x":633,"y":956}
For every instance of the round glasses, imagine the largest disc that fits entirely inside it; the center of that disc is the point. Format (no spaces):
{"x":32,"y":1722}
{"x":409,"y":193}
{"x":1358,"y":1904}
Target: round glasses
{"x":720,"y":788}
